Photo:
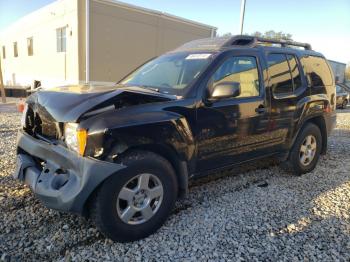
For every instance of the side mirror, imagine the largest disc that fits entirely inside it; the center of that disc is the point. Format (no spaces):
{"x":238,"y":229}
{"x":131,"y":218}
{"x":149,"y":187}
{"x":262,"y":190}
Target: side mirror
{"x":225,"y":90}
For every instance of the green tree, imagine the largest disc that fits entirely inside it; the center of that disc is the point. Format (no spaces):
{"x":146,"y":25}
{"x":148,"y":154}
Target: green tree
{"x":271,"y":34}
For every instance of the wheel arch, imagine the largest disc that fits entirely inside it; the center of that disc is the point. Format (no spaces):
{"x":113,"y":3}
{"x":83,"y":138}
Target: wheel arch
{"x":180,"y":168}
{"x":166,"y":151}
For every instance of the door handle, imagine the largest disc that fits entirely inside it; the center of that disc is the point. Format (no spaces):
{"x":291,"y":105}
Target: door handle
{"x":261,"y":109}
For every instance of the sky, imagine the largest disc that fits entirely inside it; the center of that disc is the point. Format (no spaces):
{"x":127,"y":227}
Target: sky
{"x":325,"y":24}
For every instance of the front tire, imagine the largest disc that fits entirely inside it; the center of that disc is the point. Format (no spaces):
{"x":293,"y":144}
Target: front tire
{"x":135,"y":202}
{"x":306,"y":150}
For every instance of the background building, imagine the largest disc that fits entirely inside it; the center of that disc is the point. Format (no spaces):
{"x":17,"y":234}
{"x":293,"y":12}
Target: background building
{"x":338,"y":70}
{"x":71,"y":41}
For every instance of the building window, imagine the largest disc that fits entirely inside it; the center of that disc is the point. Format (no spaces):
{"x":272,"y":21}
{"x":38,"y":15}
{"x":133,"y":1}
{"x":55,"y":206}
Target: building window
{"x":3,"y":52}
{"x":15,"y":49}
{"x":30,"y":46}
{"x":61,"y":39}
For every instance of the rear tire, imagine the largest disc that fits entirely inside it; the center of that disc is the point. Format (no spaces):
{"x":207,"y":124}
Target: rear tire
{"x":306,"y":150}
{"x":148,"y":203}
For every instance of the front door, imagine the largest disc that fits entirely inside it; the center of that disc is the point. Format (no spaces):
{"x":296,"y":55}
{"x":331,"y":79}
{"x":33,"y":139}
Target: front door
{"x":233,"y":130}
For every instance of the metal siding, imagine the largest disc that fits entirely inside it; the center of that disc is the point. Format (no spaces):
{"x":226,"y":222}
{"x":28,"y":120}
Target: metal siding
{"x":46,"y":64}
{"x":124,"y":38}
{"x":121,"y":38}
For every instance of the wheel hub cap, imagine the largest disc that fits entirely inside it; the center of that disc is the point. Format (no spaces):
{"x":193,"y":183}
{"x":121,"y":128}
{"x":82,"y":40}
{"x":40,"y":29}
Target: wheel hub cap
{"x":139,"y":199}
{"x":307,"y":150}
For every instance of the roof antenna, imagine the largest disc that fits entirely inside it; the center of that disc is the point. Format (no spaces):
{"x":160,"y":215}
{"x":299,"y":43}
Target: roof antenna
{"x":242,"y":14}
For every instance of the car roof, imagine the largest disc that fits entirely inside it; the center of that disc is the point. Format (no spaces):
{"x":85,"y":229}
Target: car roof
{"x":218,"y":44}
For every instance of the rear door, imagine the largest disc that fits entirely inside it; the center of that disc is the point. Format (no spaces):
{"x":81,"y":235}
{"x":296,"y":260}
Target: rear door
{"x":287,"y":87}
{"x":234,"y":129}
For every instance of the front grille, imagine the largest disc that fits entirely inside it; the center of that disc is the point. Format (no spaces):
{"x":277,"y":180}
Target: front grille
{"x":29,"y":124}
{"x":46,"y":128}
{"x":37,"y":125}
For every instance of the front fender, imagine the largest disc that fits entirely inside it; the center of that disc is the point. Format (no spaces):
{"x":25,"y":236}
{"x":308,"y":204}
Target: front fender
{"x":132,"y":128}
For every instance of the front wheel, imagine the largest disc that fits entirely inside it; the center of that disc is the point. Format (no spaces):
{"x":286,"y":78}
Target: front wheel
{"x":306,"y":150}
{"x":134,"y":203}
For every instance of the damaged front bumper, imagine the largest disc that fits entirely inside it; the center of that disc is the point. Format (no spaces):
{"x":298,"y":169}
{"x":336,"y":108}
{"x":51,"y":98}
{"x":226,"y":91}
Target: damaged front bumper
{"x":60,"y":178}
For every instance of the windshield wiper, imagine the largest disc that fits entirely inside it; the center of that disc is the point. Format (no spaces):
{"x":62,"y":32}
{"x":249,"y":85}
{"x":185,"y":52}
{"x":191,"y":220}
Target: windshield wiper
{"x":145,"y":87}
{"x":142,"y":86}
{"x":151,"y":88}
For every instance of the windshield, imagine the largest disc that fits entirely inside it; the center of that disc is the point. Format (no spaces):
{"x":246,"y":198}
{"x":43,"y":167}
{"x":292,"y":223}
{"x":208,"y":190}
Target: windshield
{"x":170,"y":74}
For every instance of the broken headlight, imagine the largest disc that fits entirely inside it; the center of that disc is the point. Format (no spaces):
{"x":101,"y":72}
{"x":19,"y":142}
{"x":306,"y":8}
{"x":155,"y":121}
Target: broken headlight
{"x":75,"y":137}
{"x":24,"y":115}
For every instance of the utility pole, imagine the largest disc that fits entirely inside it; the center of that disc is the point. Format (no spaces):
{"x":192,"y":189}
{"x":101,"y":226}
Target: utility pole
{"x":2,"y":89}
{"x":242,"y":14}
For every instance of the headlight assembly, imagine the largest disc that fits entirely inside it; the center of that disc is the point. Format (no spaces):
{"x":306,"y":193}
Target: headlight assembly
{"x":75,"y":137}
{"x":24,"y":115}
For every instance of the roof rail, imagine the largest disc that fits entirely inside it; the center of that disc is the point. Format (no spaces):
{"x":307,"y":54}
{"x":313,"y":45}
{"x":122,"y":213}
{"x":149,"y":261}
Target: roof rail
{"x":252,"y":41}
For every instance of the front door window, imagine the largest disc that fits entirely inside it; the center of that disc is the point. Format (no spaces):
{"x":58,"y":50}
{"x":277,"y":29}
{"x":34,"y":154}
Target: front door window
{"x":240,"y":69}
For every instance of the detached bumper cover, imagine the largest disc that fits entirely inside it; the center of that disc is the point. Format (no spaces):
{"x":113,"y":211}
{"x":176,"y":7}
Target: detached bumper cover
{"x":66,"y":180}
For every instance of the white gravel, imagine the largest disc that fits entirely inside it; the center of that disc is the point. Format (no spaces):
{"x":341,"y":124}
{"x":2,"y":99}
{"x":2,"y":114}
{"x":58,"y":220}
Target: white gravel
{"x":250,"y":214}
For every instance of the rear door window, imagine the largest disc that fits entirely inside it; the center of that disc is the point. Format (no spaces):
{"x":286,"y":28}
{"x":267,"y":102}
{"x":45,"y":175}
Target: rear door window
{"x":285,"y":78}
{"x":317,"y":71}
{"x":280,"y":76}
{"x":295,"y":71}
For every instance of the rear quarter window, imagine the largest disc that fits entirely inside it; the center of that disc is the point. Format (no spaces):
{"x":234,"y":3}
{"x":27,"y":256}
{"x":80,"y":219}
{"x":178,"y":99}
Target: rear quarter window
{"x":317,"y":71}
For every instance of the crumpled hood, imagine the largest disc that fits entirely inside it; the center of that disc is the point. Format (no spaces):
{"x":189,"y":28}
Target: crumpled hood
{"x":68,"y":103}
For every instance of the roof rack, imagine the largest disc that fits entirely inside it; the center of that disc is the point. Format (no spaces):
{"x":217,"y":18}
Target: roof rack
{"x":218,"y":43}
{"x":203,"y":44}
{"x":252,"y":41}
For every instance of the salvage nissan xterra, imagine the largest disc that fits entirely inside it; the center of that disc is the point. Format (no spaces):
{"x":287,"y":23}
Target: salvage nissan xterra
{"x":122,"y":155}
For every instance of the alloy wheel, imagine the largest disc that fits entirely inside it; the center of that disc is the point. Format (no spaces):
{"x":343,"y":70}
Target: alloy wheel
{"x":308,"y":150}
{"x":139,"y":199}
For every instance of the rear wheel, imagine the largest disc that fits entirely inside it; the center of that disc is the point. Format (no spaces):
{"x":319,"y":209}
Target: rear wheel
{"x":306,"y":150}
{"x":134,"y":203}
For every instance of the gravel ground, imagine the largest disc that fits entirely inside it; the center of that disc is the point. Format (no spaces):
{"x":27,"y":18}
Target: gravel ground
{"x":254,"y":214}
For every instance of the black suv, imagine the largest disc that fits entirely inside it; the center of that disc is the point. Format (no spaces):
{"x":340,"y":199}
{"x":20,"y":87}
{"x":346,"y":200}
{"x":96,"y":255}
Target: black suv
{"x":123,"y":155}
